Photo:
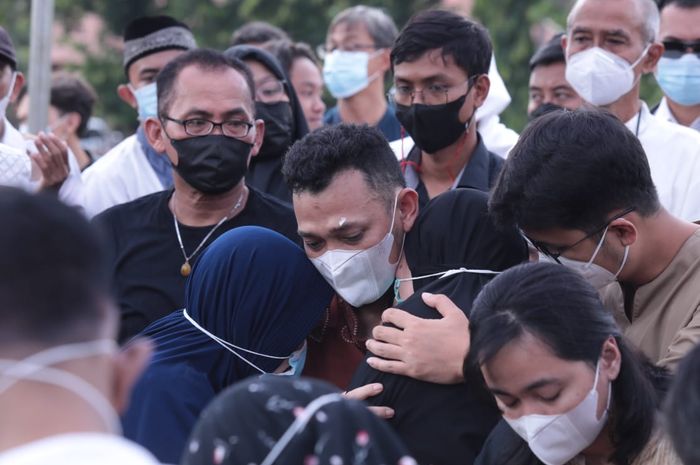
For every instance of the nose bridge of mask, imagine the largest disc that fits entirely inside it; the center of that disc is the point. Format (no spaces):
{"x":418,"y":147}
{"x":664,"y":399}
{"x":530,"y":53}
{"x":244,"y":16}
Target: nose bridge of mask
{"x":232,"y":347}
{"x":38,"y":368}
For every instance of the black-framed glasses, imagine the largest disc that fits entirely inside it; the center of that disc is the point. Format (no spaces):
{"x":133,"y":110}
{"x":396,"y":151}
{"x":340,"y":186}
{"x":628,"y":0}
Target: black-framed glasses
{"x":544,"y":248}
{"x":434,"y":94}
{"x":324,"y":50}
{"x":678,"y":48}
{"x":203,"y":127}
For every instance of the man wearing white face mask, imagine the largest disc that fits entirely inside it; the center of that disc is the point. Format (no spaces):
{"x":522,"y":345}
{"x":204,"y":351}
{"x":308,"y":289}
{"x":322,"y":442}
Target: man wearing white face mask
{"x":579,"y":186}
{"x":133,"y":168}
{"x":609,"y":45}
{"x":62,"y":376}
{"x":356,"y":59}
{"x":353,"y":212}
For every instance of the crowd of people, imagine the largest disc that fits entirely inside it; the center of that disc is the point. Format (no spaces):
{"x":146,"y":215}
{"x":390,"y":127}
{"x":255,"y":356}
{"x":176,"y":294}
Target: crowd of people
{"x":254,"y":278}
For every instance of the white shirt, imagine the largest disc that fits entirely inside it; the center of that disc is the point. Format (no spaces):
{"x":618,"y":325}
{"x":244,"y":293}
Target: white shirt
{"x":79,"y":449}
{"x":673,"y":152}
{"x":664,"y":112}
{"x":123,"y":174}
{"x":71,"y":192}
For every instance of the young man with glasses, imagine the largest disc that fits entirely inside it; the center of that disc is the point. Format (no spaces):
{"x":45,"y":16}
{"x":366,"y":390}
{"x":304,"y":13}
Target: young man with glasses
{"x":578,"y":185}
{"x":678,"y":71}
{"x":355,"y":60}
{"x":209,"y":134}
{"x":440,"y":62}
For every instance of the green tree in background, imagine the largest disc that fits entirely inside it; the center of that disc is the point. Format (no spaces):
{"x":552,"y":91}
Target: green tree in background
{"x":213,"y":21}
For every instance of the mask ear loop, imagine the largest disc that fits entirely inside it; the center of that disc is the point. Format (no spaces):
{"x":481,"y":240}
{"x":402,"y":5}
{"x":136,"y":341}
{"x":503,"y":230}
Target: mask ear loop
{"x":598,"y":247}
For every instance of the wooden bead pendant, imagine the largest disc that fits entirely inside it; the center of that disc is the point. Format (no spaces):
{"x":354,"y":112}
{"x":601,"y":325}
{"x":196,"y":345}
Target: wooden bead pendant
{"x":185,"y":269}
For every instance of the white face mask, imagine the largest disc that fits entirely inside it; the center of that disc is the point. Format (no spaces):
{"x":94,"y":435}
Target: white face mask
{"x":5,"y":101}
{"x":295,"y":358}
{"x":442,"y":274}
{"x":556,"y":439}
{"x":345,"y":73}
{"x":601,"y":77}
{"x":361,"y":276}
{"x":38,"y":367}
{"x":146,"y":100}
{"x":596,"y":275}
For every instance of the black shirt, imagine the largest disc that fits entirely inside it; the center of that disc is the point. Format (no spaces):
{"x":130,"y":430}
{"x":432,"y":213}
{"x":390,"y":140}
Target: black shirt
{"x":145,"y":257}
{"x":480,"y":173}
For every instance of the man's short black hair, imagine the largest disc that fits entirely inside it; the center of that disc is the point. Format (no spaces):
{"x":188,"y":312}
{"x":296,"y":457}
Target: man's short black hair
{"x":467,"y":42}
{"x":313,"y":162}
{"x":286,"y":52}
{"x":571,"y":170}
{"x":73,"y":94}
{"x":53,"y":279}
{"x":257,"y":32}
{"x":205,"y":59}
{"x":679,"y":3}
{"x":683,"y":408}
{"x":551,"y":52}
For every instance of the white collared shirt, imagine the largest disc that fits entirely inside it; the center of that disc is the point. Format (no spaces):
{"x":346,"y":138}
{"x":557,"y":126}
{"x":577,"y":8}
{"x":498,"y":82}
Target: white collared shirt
{"x":673,"y":152}
{"x":123,"y":174}
{"x":71,"y":192}
{"x":664,"y":112}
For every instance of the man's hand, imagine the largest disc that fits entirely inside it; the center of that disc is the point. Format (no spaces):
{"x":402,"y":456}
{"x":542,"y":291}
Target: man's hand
{"x":367,"y":391}
{"x":428,"y":350}
{"x":52,"y":160}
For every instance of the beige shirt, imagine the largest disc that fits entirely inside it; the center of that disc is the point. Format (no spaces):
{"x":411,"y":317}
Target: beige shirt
{"x":665,"y":322}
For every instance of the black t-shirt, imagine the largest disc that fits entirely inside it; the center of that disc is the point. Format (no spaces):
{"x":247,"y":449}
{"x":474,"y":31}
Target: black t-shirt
{"x":145,"y":257}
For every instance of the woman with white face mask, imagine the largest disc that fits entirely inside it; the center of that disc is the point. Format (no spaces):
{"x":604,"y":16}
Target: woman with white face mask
{"x":565,"y":380}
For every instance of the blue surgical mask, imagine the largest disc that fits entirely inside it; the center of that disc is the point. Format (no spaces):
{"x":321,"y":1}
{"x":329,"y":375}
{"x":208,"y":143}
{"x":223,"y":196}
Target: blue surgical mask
{"x":146,"y":101}
{"x":297,"y":361}
{"x":345,"y":73}
{"x":679,"y":78}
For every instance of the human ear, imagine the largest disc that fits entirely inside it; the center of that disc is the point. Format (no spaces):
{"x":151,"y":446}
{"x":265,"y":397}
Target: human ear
{"x":610,"y":359}
{"x":652,"y":58}
{"x":481,"y":85}
{"x":19,"y":83}
{"x":124,"y":92}
{"x":154,"y":133}
{"x":259,"y":136}
{"x":624,"y":230}
{"x":129,"y":364}
{"x":408,"y":208}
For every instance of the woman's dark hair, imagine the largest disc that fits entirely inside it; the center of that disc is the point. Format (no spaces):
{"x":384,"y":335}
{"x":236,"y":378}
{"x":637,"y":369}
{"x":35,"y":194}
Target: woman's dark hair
{"x":558,"y":307}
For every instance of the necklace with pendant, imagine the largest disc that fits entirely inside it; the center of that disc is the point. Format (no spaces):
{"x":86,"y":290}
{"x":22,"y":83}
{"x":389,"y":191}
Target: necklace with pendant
{"x":186,"y":268}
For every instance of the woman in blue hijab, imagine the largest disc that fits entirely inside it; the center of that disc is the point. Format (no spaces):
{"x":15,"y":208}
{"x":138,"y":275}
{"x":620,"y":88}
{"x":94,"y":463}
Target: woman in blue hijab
{"x":251,"y":300}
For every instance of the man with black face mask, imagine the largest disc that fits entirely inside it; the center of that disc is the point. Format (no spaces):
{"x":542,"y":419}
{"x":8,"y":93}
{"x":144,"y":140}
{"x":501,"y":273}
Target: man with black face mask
{"x":206,"y":126}
{"x":277,"y":105}
{"x":440,"y":62}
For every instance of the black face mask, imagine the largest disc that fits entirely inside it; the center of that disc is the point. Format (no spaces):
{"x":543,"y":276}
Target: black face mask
{"x":212,"y":164}
{"x":543,"y":110}
{"x":433,"y":127}
{"x":278,"y":128}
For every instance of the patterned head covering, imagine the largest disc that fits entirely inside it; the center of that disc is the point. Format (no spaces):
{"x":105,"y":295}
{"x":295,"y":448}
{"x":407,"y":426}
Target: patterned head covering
{"x":291,"y":421}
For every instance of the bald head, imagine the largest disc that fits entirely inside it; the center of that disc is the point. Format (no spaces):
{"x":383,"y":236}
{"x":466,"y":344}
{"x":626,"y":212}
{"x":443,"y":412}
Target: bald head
{"x":646,"y":13}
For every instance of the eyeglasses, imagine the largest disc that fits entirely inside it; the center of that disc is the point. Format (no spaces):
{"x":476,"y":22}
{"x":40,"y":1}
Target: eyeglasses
{"x":678,"y":48}
{"x":544,"y":248}
{"x":270,"y":91}
{"x":204,"y":127}
{"x":434,"y":94}
{"x":323,"y":50}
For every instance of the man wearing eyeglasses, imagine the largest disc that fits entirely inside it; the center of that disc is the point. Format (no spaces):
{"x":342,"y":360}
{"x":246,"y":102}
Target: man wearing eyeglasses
{"x":609,"y":45}
{"x":579,"y":186}
{"x":678,"y":71}
{"x":207,"y":127}
{"x":441,"y":63}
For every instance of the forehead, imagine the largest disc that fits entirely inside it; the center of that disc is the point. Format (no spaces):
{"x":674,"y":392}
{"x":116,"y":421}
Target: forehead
{"x":152,"y":63}
{"x":260,"y":71}
{"x":350,"y":31}
{"x":551,"y":75}
{"x":607,"y":16}
{"x":305,"y":70}
{"x":430,"y":65}
{"x":680,"y":23}
{"x":347,"y":196}
{"x":193,"y":89}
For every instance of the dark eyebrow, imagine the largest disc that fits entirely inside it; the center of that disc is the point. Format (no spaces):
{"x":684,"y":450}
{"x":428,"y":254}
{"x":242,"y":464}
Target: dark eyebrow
{"x":579,"y":29}
{"x":617,"y":33}
{"x":540,"y":383}
{"x":345,"y":227}
{"x":562,"y":87}
{"x":147,"y":71}
{"x":198,"y":112}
